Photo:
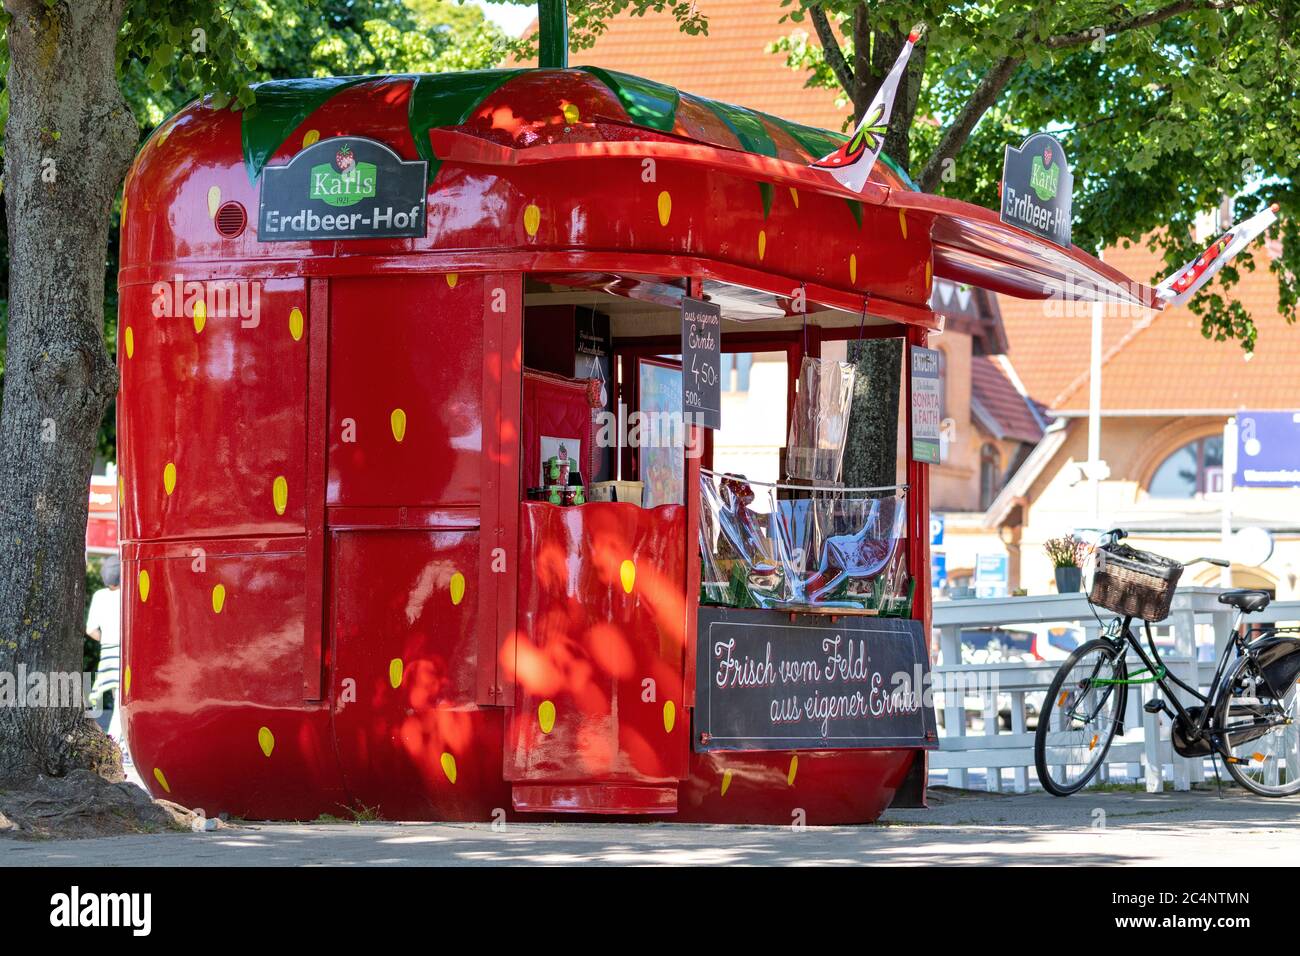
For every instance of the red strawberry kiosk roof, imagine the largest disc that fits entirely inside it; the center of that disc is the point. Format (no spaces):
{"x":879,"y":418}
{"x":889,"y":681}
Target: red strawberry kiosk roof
{"x":367,"y":326}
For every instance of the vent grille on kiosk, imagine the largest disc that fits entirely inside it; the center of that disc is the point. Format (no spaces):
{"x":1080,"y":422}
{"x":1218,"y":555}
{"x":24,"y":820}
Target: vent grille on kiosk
{"x":231,"y":219}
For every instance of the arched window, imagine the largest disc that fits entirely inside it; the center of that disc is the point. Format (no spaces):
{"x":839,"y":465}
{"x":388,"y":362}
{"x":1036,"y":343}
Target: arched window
{"x":1194,"y":469}
{"x":990,"y":474}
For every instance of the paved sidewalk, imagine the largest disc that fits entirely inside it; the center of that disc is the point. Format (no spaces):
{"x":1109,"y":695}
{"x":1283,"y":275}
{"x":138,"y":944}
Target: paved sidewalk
{"x":963,"y":827}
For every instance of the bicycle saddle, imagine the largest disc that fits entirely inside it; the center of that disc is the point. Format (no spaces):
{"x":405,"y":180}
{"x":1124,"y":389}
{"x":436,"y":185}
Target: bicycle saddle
{"x":1245,"y":599}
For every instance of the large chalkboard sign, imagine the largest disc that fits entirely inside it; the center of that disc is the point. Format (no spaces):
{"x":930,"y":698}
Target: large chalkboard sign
{"x":346,"y":187}
{"x":765,"y":683}
{"x":701,"y":363}
{"x":1037,"y":188}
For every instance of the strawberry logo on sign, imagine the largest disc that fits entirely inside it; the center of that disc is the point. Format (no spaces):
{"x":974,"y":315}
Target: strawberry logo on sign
{"x":343,"y":159}
{"x":1047,"y":156}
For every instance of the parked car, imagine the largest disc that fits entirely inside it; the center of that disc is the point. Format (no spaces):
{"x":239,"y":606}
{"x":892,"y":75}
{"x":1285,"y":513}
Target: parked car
{"x":1014,"y":643}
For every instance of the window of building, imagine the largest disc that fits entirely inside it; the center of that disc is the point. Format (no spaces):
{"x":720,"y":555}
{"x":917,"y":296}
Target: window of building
{"x":1194,"y":469}
{"x":990,"y":474}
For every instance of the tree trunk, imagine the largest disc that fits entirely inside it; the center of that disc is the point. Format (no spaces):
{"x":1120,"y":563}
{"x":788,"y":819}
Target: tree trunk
{"x":68,"y":141}
{"x":871,"y":444}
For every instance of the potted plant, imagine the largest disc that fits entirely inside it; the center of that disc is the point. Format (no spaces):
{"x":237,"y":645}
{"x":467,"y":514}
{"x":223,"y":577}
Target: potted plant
{"x":1066,"y":553}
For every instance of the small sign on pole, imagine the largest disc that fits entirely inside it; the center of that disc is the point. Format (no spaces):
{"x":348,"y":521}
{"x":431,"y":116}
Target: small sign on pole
{"x":927,"y":405}
{"x":1268,"y":450}
{"x":701,"y":363}
{"x":1037,"y":188}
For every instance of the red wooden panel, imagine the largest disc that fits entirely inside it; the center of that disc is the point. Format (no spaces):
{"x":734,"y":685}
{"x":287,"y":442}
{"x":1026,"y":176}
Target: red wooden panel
{"x":598,"y":655}
{"x":410,"y":738}
{"x":405,"y":411}
{"x":314,"y":629}
{"x":218,"y":422}
{"x":212,"y":679}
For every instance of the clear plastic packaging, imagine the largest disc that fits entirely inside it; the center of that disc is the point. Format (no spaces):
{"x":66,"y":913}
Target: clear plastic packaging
{"x":828,"y":547}
{"x":820,"y":420}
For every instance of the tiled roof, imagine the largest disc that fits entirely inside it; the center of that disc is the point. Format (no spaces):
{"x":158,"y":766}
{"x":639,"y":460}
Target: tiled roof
{"x":995,"y":394}
{"x":730,"y":64}
{"x":1157,"y":362}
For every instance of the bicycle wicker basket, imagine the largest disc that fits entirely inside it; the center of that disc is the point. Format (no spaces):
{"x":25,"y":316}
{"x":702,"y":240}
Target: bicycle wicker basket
{"x":1134,"y":583}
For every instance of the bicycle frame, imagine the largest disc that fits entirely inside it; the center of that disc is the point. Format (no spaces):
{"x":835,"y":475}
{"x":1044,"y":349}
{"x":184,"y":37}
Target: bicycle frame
{"x":1155,"y":666}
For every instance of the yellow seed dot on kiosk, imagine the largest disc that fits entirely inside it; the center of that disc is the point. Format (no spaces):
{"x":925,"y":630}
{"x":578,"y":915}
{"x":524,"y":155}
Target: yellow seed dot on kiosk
{"x":126,"y":681}
{"x":395,"y":672}
{"x":142,"y":579}
{"x":627,"y":575}
{"x":128,"y":339}
{"x":397,"y":421}
{"x":266,"y":740}
{"x":762,"y":243}
{"x":310,"y":138}
{"x":457,"y":587}
{"x":449,"y":766}
{"x":218,"y":598}
{"x":280,"y":494}
{"x":670,"y":716}
{"x":665,"y":208}
{"x":794,"y":194}
{"x":532,"y":219}
{"x":726,"y":783}
{"x":169,"y":477}
{"x":546,"y":716}
{"x":902,"y":222}
{"x":214,"y":200}
{"x":162,"y":780}
{"x":295,"y":324}
{"x":200,"y":315}
{"x":571,"y":113}
{"x":794,"y":769}
{"x":452,"y":279}
{"x":853,"y":267}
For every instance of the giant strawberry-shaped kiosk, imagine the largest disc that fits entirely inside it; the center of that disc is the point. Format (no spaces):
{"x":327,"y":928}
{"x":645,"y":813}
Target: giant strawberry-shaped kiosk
{"x":358,"y":322}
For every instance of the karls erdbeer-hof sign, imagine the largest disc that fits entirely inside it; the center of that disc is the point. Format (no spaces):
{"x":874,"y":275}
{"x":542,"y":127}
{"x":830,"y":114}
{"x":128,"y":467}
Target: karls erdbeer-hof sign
{"x":766,"y":683}
{"x":345,"y":187}
{"x":1037,"y":188}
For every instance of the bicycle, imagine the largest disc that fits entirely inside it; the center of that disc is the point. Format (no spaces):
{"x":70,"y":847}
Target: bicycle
{"x":1248,"y":717}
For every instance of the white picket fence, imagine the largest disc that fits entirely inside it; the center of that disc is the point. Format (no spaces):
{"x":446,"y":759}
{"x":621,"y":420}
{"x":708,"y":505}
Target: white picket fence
{"x":1144,"y":749}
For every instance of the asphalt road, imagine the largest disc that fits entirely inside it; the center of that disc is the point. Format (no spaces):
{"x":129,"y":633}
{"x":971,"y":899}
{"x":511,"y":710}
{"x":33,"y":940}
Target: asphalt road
{"x":963,"y":827}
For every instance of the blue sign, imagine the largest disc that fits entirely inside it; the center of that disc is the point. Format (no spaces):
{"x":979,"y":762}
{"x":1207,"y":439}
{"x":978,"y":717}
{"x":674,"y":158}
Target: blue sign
{"x":992,"y":575}
{"x":1268,"y":450}
{"x":938,"y":570}
{"x":936,"y":531}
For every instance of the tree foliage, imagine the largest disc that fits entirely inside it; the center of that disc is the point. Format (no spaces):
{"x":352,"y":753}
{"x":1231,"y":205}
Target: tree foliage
{"x":1165,"y":109}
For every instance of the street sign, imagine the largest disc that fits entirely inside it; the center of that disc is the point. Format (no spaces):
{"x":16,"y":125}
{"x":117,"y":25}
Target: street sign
{"x":927,"y":405}
{"x":1036,"y":188}
{"x":1268,"y":450}
{"x":991,"y":575}
{"x":938,"y":571}
{"x":936,"y":531}
{"x":701,"y":362}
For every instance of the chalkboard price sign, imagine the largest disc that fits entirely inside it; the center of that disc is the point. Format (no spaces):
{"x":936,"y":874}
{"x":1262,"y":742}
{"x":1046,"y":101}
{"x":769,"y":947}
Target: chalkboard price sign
{"x":764,"y":682}
{"x":701,"y":363}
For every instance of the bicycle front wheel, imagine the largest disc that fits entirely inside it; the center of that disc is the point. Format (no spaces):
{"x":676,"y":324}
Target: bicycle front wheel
{"x":1259,"y":733}
{"x":1080,"y":717}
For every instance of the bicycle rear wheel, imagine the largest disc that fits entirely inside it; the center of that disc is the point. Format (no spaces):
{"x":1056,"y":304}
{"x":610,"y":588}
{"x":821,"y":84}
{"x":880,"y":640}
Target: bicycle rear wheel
{"x":1259,"y":733}
{"x":1080,"y":717}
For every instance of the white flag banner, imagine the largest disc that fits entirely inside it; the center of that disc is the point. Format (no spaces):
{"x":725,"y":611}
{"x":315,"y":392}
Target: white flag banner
{"x":851,"y":163}
{"x":1183,"y":284}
